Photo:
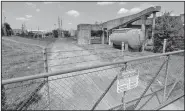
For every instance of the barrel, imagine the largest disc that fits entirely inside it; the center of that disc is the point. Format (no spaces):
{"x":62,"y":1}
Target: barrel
{"x":134,"y":38}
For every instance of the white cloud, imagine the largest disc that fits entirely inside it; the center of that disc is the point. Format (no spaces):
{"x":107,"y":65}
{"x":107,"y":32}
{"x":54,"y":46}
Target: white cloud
{"x":105,"y":3}
{"x":73,"y":13}
{"x":123,"y":10}
{"x":135,"y":10}
{"x":22,"y":19}
{"x":122,"y":3}
{"x":131,"y":11}
{"x":38,"y":10}
{"x":30,"y":4}
{"x":28,"y":16}
{"x":69,"y":23}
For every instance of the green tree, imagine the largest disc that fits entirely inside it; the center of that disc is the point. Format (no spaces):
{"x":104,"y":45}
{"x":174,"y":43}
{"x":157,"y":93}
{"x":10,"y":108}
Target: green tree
{"x":66,"y":33}
{"x":167,"y":27}
{"x":55,"y":33}
{"x":2,"y":31}
{"x":30,"y":34}
{"x":8,"y":29}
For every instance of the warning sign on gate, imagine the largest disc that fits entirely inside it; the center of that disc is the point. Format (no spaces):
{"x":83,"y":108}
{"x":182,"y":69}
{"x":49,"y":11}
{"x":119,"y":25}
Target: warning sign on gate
{"x":127,"y":80}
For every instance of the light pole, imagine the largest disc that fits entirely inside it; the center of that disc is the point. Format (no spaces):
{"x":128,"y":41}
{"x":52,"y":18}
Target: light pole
{"x":5,"y":26}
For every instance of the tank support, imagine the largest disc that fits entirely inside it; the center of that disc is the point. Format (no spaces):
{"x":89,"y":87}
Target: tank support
{"x":143,"y":28}
{"x":153,"y":28}
{"x":103,"y":36}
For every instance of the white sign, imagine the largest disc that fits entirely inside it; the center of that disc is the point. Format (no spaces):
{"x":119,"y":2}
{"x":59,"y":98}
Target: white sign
{"x":127,"y":80}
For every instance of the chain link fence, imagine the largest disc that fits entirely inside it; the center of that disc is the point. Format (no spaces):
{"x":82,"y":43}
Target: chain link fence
{"x":82,"y":89}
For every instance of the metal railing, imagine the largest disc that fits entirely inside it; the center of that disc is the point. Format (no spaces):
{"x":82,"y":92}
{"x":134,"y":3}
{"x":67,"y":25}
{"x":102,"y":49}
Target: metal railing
{"x":92,"y":87}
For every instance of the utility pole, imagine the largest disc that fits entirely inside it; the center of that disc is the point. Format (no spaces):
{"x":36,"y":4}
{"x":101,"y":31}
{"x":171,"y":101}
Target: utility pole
{"x":61,"y":29}
{"x":22,"y":28}
{"x":59,"y":32}
{"x":5,"y":26}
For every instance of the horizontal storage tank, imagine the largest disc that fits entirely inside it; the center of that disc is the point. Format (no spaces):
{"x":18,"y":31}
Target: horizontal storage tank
{"x":133,"y":37}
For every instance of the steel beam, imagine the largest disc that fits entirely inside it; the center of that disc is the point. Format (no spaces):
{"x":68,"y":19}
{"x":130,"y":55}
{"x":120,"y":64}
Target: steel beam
{"x":143,"y":97}
{"x":166,"y":103}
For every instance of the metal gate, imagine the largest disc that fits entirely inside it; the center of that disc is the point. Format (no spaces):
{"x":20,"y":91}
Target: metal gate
{"x":94,"y":87}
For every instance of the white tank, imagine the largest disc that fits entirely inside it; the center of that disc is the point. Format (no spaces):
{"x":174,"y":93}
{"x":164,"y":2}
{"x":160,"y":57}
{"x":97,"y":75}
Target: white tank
{"x":133,"y":37}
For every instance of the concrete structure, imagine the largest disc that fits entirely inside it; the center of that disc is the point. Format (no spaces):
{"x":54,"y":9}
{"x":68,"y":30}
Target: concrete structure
{"x":72,"y":32}
{"x":39,"y":32}
{"x":17,"y":31}
{"x":84,"y":30}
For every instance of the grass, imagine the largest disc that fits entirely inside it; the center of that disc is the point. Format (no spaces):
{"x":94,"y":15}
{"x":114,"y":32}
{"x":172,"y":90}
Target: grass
{"x":35,"y":41}
{"x":15,"y":63}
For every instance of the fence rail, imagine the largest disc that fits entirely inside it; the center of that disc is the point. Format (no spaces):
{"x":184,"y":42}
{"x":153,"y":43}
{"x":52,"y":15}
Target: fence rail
{"x":90,"y":87}
{"x":44,"y":75}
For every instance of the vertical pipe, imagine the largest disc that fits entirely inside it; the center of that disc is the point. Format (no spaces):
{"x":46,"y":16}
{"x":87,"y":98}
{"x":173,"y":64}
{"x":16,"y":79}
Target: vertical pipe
{"x":126,"y":47}
{"x":123,"y":101}
{"x":143,"y":28}
{"x":109,"y":39}
{"x":103,"y":36}
{"x":107,"y":36}
{"x":122,"y":48}
{"x":46,"y":70}
{"x":166,"y":79}
{"x":5,"y":32}
{"x":153,"y":28}
{"x":164,"y":45}
{"x":124,"y":92}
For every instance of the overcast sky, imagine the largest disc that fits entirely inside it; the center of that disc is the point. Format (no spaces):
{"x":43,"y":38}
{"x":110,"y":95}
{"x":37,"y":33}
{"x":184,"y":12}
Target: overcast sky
{"x":45,"y":14}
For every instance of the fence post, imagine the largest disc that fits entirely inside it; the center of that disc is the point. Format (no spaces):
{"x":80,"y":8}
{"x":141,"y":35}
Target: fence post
{"x":46,"y":70}
{"x":166,"y":78}
{"x":124,"y":92}
{"x":122,"y":47}
{"x":123,"y":101}
{"x":45,"y":60}
{"x":103,"y":36}
{"x":164,"y":45}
